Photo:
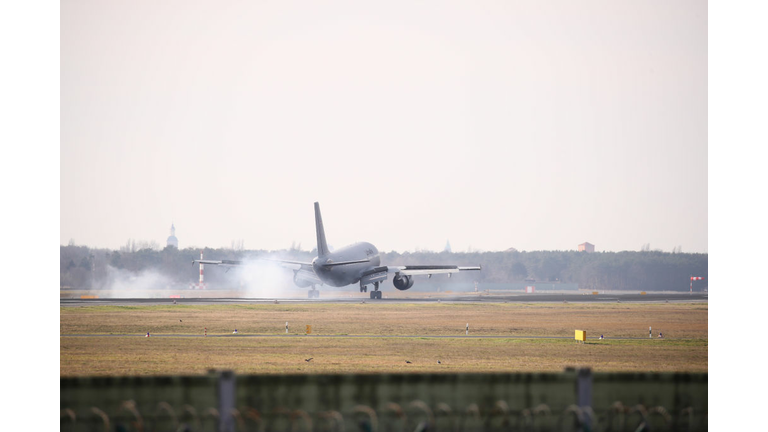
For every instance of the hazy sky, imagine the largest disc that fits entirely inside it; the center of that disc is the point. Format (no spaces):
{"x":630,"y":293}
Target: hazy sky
{"x":533,"y":125}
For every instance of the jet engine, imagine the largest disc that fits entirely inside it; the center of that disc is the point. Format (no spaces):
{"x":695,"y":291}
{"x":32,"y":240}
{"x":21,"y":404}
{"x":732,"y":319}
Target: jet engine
{"x":301,"y":283}
{"x":402,"y":282}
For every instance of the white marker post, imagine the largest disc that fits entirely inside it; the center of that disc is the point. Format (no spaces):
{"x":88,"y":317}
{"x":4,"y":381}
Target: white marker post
{"x":200,"y":284}
{"x":286,"y":327}
{"x":650,"y":333}
{"x":467,"y":329}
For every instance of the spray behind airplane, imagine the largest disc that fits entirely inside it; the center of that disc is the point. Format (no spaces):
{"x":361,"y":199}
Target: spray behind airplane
{"x":358,"y":263}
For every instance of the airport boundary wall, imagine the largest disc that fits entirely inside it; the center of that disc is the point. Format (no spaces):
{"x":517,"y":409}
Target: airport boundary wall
{"x":223,"y":401}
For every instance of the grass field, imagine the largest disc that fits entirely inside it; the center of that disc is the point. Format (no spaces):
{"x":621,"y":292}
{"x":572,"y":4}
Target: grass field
{"x":684,"y":347}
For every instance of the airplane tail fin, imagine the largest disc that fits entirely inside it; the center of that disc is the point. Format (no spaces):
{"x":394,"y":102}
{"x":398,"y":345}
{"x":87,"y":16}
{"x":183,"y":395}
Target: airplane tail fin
{"x":322,"y":245}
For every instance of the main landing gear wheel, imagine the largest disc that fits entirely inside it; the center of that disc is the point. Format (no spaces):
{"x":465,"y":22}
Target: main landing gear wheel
{"x":376,"y":294}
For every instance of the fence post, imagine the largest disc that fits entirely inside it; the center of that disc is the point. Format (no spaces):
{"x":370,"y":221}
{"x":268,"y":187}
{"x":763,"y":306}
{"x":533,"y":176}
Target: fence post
{"x":226,"y":394}
{"x":584,"y":393}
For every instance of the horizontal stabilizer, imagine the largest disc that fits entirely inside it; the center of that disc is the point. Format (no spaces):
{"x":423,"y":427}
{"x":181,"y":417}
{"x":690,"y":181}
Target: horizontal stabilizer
{"x":334,"y":264}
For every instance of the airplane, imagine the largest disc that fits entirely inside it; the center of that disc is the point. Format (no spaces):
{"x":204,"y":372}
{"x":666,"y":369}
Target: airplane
{"x":356,"y":263}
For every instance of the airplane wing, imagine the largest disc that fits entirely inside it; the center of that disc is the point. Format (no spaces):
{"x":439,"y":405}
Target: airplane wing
{"x":379,"y":274}
{"x":302,"y":270}
{"x":429,"y":270}
{"x":225,"y":263}
{"x":293,"y":265}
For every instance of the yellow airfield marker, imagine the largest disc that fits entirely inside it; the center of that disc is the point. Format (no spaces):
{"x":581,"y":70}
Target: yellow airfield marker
{"x":581,"y":335}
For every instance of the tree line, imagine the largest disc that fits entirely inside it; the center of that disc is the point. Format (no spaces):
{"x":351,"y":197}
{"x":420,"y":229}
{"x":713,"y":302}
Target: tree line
{"x":87,"y":268}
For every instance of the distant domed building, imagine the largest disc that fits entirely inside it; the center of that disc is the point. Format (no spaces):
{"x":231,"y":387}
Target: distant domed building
{"x":172,"y":240}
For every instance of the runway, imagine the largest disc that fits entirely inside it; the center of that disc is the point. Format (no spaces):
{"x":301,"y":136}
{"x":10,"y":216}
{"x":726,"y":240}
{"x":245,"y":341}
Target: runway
{"x":341,"y":336}
{"x":475,"y":298}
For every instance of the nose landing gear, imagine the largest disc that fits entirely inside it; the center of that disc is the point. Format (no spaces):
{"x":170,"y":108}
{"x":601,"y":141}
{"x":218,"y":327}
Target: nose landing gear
{"x":313,"y":293}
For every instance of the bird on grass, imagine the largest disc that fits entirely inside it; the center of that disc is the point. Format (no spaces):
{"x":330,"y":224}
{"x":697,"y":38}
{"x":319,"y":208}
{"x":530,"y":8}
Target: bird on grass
{"x":308,"y":360}
{"x":179,"y":320}
{"x":438,"y":362}
{"x":407,"y":361}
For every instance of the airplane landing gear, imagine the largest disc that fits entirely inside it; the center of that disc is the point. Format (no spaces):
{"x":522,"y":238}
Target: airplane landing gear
{"x":314,"y":293}
{"x":376,"y":294}
{"x":364,"y":289}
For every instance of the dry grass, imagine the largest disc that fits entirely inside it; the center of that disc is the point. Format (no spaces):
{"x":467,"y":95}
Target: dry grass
{"x":683,"y":349}
{"x":613,"y":320}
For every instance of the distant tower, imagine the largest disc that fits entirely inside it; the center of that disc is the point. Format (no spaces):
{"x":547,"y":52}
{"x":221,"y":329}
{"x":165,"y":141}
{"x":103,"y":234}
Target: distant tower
{"x":447,"y":247}
{"x":172,"y":240}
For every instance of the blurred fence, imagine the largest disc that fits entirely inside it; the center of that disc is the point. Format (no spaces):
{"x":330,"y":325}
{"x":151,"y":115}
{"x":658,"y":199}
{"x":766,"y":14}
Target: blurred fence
{"x":569,"y":401}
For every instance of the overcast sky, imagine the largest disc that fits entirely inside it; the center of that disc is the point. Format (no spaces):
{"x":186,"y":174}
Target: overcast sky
{"x":533,"y":125}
